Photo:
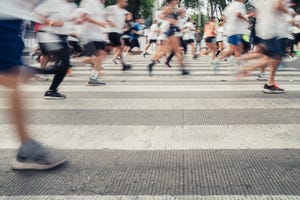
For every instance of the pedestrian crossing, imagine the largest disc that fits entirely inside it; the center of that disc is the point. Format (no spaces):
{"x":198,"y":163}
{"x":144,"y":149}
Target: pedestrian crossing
{"x":204,"y":136}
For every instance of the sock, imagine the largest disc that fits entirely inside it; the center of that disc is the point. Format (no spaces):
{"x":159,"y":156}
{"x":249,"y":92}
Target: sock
{"x":94,"y":74}
{"x":124,"y":58}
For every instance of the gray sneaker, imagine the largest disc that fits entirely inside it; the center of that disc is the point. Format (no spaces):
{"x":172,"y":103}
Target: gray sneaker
{"x":35,"y":156}
{"x":262,"y":77}
{"x":95,"y":82}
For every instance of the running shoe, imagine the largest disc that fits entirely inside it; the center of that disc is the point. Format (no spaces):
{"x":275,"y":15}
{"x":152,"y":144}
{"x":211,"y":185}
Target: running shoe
{"x":39,"y":77}
{"x":273,"y":89}
{"x":126,"y":67}
{"x":95,"y":82}
{"x":215,"y":65}
{"x":185,"y":72}
{"x":53,"y":95}
{"x":34,"y":156}
{"x":150,"y":68}
{"x":168,"y":64}
{"x":262,"y":77}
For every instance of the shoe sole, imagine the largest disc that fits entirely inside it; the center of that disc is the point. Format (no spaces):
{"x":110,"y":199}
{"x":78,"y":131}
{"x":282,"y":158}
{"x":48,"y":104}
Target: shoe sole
{"x":272,"y":92}
{"x":54,"y":98}
{"x":16,"y":165}
{"x":261,"y":79}
{"x":95,"y":84}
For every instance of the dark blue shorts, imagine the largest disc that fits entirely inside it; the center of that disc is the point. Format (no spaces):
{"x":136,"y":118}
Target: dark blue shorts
{"x":235,"y":40}
{"x":273,"y":48}
{"x":11,"y":44}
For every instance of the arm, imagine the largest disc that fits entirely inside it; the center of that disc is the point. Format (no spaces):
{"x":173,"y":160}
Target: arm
{"x":87,"y":18}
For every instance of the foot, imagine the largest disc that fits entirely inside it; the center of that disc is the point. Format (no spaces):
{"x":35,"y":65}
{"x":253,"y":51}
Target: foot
{"x":95,"y":82}
{"x":39,"y":77}
{"x":127,"y":67}
{"x":34,"y":156}
{"x":53,"y":95}
{"x":262,"y":77}
{"x":150,"y":68}
{"x":185,"y":72}
{"x":168,"y":64}
{"x":272,"y":89}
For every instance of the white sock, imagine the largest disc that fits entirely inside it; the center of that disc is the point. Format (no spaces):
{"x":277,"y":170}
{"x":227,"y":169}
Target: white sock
{"x":94,"y":74}
{"x":124,"y":58}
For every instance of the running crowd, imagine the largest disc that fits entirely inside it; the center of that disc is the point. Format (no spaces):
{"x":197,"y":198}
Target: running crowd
{"x":266,"y":33}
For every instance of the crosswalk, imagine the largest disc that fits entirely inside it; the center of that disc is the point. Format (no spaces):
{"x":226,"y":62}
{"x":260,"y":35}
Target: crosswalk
{"x":205,"y":136}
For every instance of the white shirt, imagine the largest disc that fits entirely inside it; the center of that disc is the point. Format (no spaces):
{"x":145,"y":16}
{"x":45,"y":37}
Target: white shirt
{"x":57,"y":10}
{"x":189,"y":34}
{"x":96,"y":10}
{"x":153,"y":32}
{"x":220,"y":33}
{"x":18,"y":9}
{"x":116,"y":15}
{"x":235,"y":25}
{"x":268,"y":19}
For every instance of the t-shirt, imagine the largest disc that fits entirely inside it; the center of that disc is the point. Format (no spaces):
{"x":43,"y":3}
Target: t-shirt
{"x":153,"y":32}
{"x":268,"y":19}
{"x":91,"y":31}
{"x":116,"y":15}
{"x":57,"y":10}
{"x":18,"y":9}
{"x":235,"y":25}
{"x":220,"y":33}
{"x":189,"y":34}
{"x":138,"y":28}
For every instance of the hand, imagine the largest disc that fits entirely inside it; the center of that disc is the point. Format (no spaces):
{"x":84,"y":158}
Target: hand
{"x":58,"y":23}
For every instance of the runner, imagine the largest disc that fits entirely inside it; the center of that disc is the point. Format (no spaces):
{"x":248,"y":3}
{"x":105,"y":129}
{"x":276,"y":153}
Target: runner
{"x":31,"y":154}
{"x":116,"y":20}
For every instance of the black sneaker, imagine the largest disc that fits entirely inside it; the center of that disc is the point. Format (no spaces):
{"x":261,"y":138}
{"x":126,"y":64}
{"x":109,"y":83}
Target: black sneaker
{"x":126,"y":67}
{"x":185,"y":72}
{"x":53,"y":95}
{"x":168,"y":64}
{"x":95,"y":82}
{"x":272,"y":89}
{"x":150,"y":68}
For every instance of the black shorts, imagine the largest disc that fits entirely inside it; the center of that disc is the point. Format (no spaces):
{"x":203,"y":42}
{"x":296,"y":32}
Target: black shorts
{"x":152,"y":41}
{"x":272,"y":48}
{"x":92,"y":48}
{"x":115,"y":39}
{"x":210,"y":39}
{"x":126,"y":41}
{"x":297,"y":38}
{"x":134,"y":43}
{"x":189,"y":41}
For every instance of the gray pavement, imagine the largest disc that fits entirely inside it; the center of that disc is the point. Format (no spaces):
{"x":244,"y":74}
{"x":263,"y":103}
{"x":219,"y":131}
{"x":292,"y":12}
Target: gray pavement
{"x":204,"y":136}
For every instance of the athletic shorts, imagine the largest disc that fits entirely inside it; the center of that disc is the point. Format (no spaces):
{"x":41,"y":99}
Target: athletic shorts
{"x":172,"y":30}
{"x":126,"y":41}
{"x":210,"y":40}
{"x":235,"y":40}
{"x":115,"y":39}
{"x":189,"y":41}
{"x":91,"y":48}
{"x":152,"y":41}
{"x":11,"y":44}
{"x":272,"y":48}
{"x":297,"y":38}
{"x":256,"y":40}
{"x":134,"y":43}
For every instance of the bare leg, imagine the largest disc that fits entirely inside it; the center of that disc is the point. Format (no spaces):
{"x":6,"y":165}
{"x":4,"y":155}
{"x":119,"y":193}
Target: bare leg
{"x":10,"y":80}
